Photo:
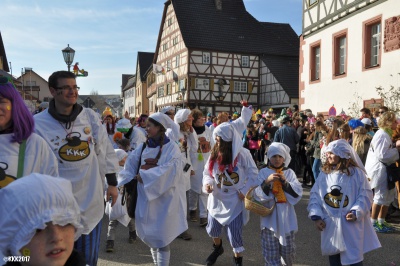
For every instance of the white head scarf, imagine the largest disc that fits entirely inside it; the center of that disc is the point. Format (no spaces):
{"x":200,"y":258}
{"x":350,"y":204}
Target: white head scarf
{"x":123,"y":123}
{"x":167,"y":109}
{"x":182,"y":115}
{"x":121,"y":154}
{"x":30,"y":202}
{"x":228,"y":133}
{"x":163,"y":119}
{"x":343,"y":149}
{"x":277,"y":148}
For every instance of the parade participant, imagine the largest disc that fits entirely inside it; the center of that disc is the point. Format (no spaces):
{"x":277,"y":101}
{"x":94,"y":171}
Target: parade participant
{"x":288,"y":135}
{"x":125,"y":219}
{"x":173,"y":132}
{"x":339,"y":205}
{"x":228,"y":175}
{"x":199,"y":159}
{"x":188,"y":143}
{"x":109,"y":125}
{"x":141,"y":123}
{"x":54,"y":222}
{"x":22,"y":151}
{"x":160,"y":210}
{"x":279,"y":185}
{"x":381,"y":153}
{"x":85,"y":156}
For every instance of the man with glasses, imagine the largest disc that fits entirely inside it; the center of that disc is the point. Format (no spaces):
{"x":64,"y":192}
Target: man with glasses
{"x":84,"y":153}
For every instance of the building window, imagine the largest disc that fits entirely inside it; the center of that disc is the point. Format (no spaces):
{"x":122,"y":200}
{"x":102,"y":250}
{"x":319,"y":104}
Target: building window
{"x":372,"y":43}
{"x":161,"y":91}
{"x":206,"y":58}
{"x":169,"y":91}
{"x":312,"y":2}
{"x":30,"y":83}
{"x":177,"y":59}
{"x":245,"y":61}
{"x":240,"y":86}
{"x":169,"y":22}
{"x":315,"y":61}
{"x":340,"y":53}
{"x":165,"y":46}
{"x":175,"y":41}
{"x":203,"y":84}
{"x":181,"y":84}
{"x":169,"y":65}
{"x":151,"y":105}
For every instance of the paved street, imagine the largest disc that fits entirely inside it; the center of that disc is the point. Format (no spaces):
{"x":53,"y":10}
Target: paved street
{"x":195,"y":251}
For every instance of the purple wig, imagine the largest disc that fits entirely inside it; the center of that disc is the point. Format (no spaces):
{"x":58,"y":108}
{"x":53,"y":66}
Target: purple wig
{"x":22,"y":119}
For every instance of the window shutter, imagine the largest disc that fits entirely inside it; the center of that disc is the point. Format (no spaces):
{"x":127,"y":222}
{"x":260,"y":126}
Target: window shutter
{"x":192,"y":83}
{"x":211,"y":84}
{"x":249,"y":87}
{"x":231,"y":85}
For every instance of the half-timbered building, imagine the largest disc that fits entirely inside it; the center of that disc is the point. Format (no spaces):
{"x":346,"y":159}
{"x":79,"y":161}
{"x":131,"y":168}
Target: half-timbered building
{"x":347,"y":49}
{"x":144,"y":61}
{"x":214,"y":54}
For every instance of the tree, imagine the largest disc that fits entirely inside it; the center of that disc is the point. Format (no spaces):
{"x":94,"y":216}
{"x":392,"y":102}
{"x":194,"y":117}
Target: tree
{"x":94,"y":92}
{"x":355,"y":106}
{"x":391,"y":98}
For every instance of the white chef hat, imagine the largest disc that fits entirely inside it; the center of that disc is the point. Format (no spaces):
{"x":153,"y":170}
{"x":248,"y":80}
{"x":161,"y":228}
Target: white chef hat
{"x":163,"y":119}
{"x":121,"y":154}
{"x":276,"y":123}
{"x":181,"y":116}
{"x":277,"y":148}
{"x":167,"y":109}
{"x":227,"y":132}
{"x":343,"y":149}
{"x":30,"y":202}
{"x":123,"y":123}
{"x":366,"y":121}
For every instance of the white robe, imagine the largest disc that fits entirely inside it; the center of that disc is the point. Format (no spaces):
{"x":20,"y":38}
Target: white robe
{"x":137,"y":137}
{"x":84,"y":165}
{"x":192,"y":143}
{"x":160,"y":210}
{"x":359,"y":236}
{"x":38,"y":158}
{"x":283,"y":220}
{"x":223,"y":203}
{"x":196,"y":180}
{"x":111,"y":137}
{"x":379,"y":151}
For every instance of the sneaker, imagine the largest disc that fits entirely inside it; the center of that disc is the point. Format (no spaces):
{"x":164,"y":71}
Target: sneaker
{"x":388,"y":227}
{"x":110,"y":246}
{"x":203,"y":222}
{"x":379,"y":228}
{"x":132,"y":237}
{"x":185,"y":235}
{"x":193,"y":216}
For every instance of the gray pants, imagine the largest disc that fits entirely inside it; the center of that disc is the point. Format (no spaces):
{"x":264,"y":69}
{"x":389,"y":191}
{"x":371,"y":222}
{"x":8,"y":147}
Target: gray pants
{"x":113,"y":225}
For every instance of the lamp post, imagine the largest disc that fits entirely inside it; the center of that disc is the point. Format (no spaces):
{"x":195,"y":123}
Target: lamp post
{"x":68,"y":54}
{"x":183,"y":91}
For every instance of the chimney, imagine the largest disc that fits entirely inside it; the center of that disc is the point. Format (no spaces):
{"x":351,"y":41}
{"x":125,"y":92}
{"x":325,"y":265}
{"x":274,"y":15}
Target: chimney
{"x":218,"y":4}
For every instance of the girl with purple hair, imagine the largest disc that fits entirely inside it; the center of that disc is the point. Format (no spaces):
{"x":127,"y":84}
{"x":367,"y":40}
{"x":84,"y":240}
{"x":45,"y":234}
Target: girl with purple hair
{"x":23,"y":152}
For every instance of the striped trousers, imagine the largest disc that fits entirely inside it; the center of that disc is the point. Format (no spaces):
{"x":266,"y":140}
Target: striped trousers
{"x":88,"y":245}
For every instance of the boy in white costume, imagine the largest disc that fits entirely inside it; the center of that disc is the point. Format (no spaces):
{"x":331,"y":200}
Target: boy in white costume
{"x":160,"y":214}
{"x":199,"y":159}
{"x":85,"y":155}
{"x":278,"y":229}
{"x":228,"y":175}
{"x":340,"y":203}
{"x":173,"y":132}
{"x":40,"y":218}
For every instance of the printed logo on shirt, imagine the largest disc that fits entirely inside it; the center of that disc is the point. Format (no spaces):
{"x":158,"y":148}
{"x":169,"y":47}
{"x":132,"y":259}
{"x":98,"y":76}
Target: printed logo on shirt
{"x":4,"y":178}
{"x":224,"y":180}
{"x":335,"y":197}
{"x":75,"y":149}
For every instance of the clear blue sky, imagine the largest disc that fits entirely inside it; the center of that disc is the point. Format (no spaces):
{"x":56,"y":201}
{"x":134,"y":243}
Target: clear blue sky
{"x":106,"y":35}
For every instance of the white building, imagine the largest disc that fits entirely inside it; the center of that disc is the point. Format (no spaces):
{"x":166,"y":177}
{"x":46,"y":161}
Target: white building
{"x":347,"y":49}
{"x":128,"y":94}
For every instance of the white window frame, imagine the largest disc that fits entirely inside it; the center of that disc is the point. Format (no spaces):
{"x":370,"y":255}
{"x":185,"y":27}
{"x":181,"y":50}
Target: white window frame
{"x":160,"y":91}
{"x":169,"y":65}
{"x":342,"y":54}
{"x":203,"y":84}
{"x":375,"y":44}
{"x":312,"y":2}
{"x":206,"y":58}
{"x":240,"y":86}
{"x":245,"y":61}
{"x":177,"y":60}
{"x":317,"y":55}
{"x":175,"y":40}
{"x":181,"y":84}
{"x":165,"y":46}
{"x":169,"y":22}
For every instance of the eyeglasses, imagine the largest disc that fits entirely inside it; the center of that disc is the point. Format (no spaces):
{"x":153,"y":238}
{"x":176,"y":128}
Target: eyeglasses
{"x":381,"y":112}
{"x":67,"y":88}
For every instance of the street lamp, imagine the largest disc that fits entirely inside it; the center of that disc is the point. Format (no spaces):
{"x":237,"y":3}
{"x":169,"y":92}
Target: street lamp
{"x":68,"y":54}
{"x":183,"y":91}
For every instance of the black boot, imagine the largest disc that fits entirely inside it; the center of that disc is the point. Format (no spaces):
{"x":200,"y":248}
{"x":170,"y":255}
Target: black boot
{"x":132,"y":237}
{"x":218,"y":251}
{"x":237,"y":261}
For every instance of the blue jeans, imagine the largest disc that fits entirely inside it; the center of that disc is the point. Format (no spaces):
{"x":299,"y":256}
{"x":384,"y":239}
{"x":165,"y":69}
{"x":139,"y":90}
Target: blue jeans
{"x":315,"y":168}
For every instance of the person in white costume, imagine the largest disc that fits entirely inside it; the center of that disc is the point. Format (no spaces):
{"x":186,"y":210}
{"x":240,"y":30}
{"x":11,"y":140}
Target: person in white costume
{"x":160,"y":210}
{"x":188,"y":143}
{"x":340,"y":202}
{"x":172,"y":133}
{"x":279,"y":228}
{"x":382,"y":151}
{"x":109,"y":125}
{"x":85,"y":155}
{"x":17,"y":138}
{"x":41,"y":224}
{"x":199,"y":159}
{"x":228,"y":175}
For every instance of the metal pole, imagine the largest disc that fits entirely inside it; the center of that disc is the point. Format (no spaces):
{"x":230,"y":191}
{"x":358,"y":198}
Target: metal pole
{"x":183,"y":100}
{"x":69,"y":68}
